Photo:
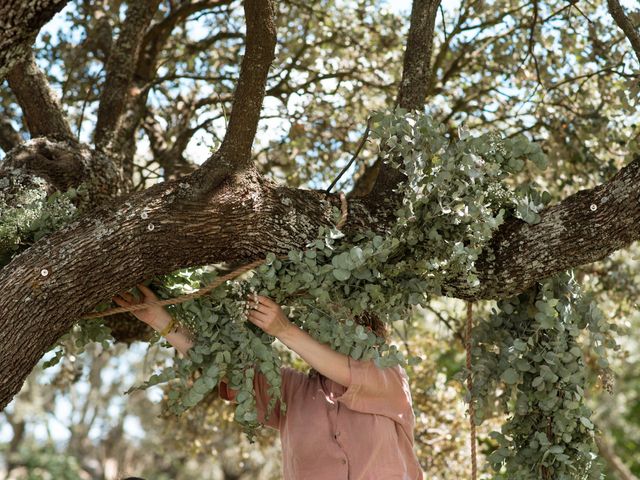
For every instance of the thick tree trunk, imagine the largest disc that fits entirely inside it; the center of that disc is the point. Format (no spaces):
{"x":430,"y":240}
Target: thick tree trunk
{"x":164,"y":228}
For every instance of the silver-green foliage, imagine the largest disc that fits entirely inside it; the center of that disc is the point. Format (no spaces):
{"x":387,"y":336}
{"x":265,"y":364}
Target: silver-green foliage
{"x":455,"y":196}
{"x":453,"y":200}
{"x":530,"y":350}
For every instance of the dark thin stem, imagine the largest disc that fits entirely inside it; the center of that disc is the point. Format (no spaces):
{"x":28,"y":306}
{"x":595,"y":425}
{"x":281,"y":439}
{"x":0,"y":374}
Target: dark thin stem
{"x":363,"y":140}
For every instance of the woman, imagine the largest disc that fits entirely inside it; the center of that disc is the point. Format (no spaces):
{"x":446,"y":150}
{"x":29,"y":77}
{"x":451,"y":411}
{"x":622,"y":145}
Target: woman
{"x":351,"y":420}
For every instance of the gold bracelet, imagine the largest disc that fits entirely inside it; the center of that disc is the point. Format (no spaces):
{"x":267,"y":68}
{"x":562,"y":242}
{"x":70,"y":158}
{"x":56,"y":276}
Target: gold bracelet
{"x":166,"y":330}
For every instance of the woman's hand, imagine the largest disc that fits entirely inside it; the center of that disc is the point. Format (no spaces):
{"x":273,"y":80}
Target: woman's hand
{"x":155,"y":315}
{"x":267,"y":314}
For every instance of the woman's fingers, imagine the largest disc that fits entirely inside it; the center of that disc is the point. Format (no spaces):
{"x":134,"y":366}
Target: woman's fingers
{"x":259,"y":316}
{"x":147,"y":291}
{"x":262,"y":303}
{"x":127,"y":296}
{"x":256,"y":322}
{"x":120,"y":301}
{"x":254,"y":305}
{"x":266,"y":300}
{"x":259,"y":308}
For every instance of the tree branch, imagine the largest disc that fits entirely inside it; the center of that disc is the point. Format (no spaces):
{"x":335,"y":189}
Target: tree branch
{"x":9,"y":137}
{"x":120,"y":68}
{"x":584,"y":228}
{"x":239,"y":223}
{"x":243,"y":220}
{"x":19,"y":25}
{"x":416,"y":71}
{"x":235,"y":152}
{"x":416,"y":81}
{"x":42,"y":112}
{"x":617,"y":12}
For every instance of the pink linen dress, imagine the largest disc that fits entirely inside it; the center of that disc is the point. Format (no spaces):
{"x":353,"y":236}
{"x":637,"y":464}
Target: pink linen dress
{"x":329,"y":432}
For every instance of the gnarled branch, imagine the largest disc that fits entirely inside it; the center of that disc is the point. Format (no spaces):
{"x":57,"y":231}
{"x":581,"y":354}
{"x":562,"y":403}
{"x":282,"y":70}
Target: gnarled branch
{"x":235,"y":152}
{"x":120,"y":67}
{"x":583,"y":228}
{"x":621,"y":19}
{"x":416,"y":81}
{"x":20,"y":23}
{"x":42,"y":112}
{"x":239,"y":222}
{"x":244,"y":219}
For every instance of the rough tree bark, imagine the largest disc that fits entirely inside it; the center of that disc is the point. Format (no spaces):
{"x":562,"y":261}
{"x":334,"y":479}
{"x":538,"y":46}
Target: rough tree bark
{"x":416,"y":81}
{"x":227,"y":212}
{"x":120,"y":68}
{"x":42,"y":112}
{"x":61,"y":164}
{"x":20,"y":23}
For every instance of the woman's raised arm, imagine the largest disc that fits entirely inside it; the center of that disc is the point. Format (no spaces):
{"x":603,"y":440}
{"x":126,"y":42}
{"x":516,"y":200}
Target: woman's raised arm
{"x":267,"y":314}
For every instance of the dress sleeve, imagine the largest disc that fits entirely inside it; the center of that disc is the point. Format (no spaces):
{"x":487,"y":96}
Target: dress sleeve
{"x":291,"y":380}
{"x":261,"y":389}
{"x":381,"y":391}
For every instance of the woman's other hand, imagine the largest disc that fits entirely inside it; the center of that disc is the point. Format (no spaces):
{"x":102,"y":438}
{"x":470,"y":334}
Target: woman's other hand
{"x":269,"y":317}
{"x":155,"y":315}
{"x":267,"y":314}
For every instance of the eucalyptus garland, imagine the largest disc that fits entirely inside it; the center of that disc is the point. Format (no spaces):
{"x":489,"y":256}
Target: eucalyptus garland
{"x":529,"y":350}
{"x":452,"y":202}
{"x":457,"y":193}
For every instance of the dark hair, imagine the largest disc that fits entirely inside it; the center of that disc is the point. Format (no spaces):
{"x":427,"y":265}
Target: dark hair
{"x":133,"y":478}
{"x":372,"y":322}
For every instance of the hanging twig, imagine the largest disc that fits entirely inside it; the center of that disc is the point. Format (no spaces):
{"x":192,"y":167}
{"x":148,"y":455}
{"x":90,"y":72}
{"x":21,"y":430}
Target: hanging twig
{"x":472,"y":424}
{"x":363,"y":140}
